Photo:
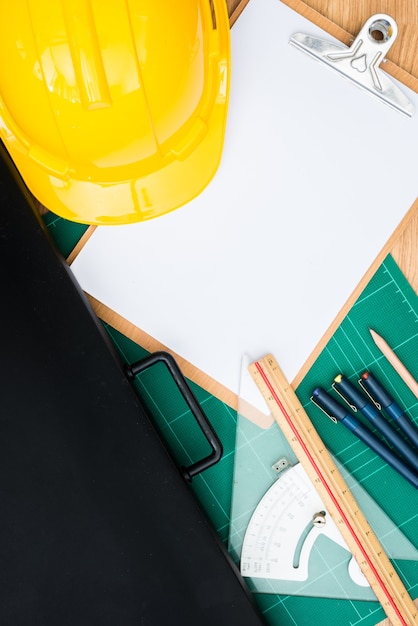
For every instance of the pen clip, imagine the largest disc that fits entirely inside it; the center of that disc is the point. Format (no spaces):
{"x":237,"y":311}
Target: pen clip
{"x":367,"y":392}
{"x":331,"y":417}
{"x":352,"y":406}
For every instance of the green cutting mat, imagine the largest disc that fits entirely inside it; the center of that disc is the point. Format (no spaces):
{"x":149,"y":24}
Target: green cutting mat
{"x":65,"y":234}
{"x":389,"y":305}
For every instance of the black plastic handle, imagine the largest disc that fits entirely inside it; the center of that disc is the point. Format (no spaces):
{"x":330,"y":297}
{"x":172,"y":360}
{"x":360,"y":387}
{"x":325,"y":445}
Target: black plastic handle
{"x":201,"y":418}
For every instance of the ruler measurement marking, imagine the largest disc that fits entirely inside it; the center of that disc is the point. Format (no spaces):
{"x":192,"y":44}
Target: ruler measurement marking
{"x":311,"y":452}
{"x":318,"y":471}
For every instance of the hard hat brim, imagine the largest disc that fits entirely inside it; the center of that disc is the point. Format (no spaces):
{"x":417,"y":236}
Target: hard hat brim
{"x":130,"y":201}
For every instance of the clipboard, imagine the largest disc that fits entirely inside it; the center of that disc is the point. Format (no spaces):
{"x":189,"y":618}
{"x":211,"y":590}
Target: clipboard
{"x":344,"y":20}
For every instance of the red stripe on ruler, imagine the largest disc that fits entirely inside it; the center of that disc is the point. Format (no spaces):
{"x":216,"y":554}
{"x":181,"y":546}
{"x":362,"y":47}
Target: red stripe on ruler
{"x":330,"y":493}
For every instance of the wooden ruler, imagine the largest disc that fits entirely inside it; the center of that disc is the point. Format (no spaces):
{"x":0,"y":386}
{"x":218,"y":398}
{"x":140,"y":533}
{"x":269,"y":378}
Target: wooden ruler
{"x":334,"y":492}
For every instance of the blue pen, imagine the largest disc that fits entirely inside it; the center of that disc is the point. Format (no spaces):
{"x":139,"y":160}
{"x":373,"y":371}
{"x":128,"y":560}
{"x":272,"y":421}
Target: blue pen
{"x":380,"y":396}
{"x":338,"y":413}
{"x":359,"y":402}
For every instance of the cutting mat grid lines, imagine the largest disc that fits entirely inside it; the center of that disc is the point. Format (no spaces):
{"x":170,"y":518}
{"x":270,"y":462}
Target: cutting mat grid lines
{"x":65,"y":234}
{"x":354,"y":613}
{"x":182,"y":435}
{"x":377,"y":307}
{"x":350,"y":347}
{"x":246,"y":447}
{"x":388,"y":305}
{"x":291,"y":611}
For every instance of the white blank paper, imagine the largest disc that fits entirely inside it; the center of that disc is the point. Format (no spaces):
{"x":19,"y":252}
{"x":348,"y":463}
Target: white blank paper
{"x":315,"y":176}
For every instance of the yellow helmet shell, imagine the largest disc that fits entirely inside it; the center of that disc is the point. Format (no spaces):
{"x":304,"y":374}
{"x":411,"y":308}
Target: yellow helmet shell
{"x":114,"y":111}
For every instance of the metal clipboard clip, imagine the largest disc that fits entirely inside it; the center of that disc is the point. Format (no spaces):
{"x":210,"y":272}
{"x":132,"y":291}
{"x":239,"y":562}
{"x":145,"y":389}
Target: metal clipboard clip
{"x":360,"y":62}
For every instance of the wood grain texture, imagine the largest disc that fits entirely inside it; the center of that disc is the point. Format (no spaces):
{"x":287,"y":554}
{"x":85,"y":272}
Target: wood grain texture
{"x":387,"y":622}
{"x":151,"y":344}
{"x":405,"y":249}
{"x":235,"y":8}
{"x":403,"y":245}
{"x":81,"y":243}
{"x":344,"y":20}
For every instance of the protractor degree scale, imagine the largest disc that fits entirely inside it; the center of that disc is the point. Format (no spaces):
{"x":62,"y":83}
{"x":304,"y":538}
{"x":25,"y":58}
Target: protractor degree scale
{"x":283,"y":529}
{"x":332,"y":488}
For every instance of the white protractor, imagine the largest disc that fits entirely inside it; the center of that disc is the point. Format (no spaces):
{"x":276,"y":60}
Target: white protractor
{"x":283,"y":529}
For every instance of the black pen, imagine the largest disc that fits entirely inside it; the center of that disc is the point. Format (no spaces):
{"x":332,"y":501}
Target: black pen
{"x":380,"y":396}
{"x":358,"y":401}
{"x":338,"y":413}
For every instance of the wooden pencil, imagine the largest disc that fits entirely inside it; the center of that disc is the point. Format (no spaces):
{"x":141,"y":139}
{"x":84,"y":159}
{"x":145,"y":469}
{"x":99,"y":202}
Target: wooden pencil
{"x":396,"y":363}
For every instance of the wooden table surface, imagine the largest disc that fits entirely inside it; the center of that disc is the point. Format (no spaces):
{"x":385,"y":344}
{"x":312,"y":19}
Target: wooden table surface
{"x":344,"y":20}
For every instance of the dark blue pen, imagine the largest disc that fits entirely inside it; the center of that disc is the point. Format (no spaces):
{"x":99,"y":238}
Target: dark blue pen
{"x":359,"y":402}
{"x":338,"y":413}
{"x":380,"y":396}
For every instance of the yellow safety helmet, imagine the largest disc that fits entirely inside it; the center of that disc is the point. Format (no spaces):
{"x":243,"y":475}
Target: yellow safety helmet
{"x":114,"y":111}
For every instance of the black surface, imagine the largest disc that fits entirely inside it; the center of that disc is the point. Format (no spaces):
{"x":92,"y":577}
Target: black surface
{"x":97,"y":525}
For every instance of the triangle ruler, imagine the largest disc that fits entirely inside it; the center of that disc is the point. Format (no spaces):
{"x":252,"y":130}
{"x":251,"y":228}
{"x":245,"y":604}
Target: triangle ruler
{"x":281,"y":533}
